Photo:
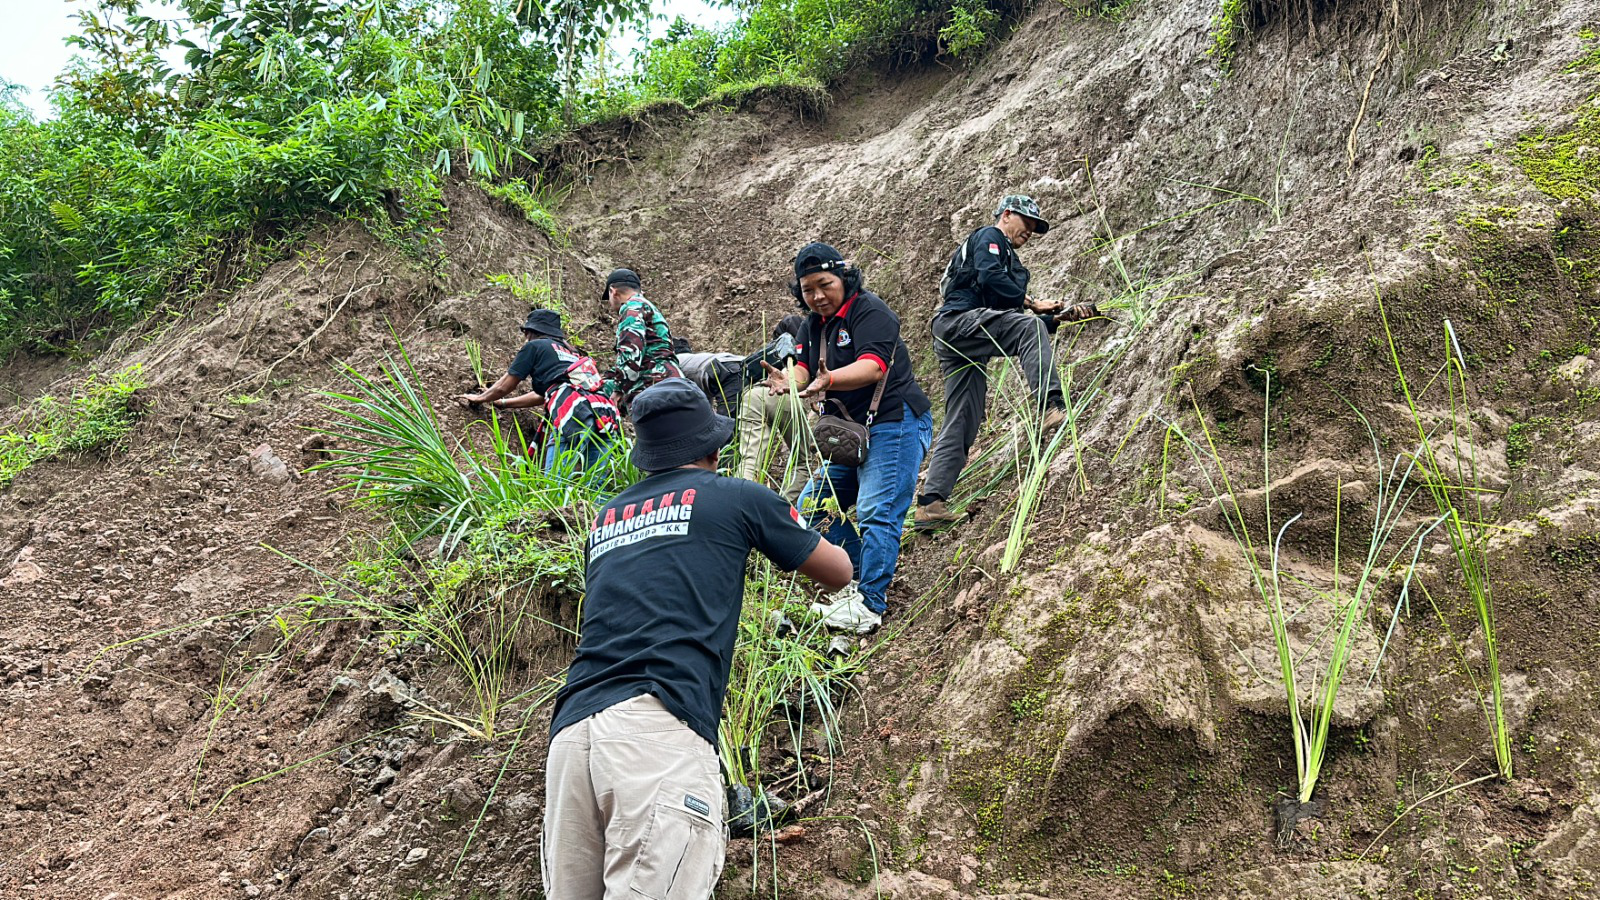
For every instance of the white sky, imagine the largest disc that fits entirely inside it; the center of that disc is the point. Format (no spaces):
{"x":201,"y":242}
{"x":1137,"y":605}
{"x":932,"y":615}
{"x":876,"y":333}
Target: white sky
{"x":31,"y":48}
{"x":32,"y":52}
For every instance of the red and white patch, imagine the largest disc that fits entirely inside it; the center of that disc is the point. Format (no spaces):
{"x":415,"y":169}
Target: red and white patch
{"x":995,"y":249}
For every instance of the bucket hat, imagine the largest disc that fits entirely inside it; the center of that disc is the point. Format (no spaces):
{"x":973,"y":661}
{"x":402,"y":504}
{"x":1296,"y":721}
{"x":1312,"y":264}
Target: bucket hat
{"x":674,"y":425}
{"x":546,"y":322}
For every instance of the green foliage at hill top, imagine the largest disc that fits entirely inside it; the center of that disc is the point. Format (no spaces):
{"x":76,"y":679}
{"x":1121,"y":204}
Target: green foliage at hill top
{"x":156,"y":182}
{"x":150,"y":179}
{"x":809,"y":42}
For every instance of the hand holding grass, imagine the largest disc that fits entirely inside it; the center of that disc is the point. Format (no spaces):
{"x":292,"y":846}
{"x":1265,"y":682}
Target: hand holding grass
{"x":1048,"y":306}
{"x":1081,"y":312}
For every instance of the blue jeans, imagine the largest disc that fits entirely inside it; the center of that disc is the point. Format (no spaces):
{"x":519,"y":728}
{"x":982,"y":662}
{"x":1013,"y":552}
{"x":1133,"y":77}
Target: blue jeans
{"x":881,"y":491}
{"x":590,"y":447}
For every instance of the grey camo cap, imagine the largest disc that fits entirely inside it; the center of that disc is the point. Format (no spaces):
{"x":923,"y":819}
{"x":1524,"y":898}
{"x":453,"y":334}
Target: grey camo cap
{"x":1023,"y":205}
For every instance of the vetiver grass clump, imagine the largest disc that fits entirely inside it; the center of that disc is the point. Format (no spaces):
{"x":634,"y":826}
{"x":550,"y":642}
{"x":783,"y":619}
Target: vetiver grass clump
{"x":1390,"y":552}
{"x":1453,"y":481}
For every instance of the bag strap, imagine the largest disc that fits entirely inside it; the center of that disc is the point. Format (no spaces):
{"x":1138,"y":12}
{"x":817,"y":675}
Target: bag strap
{"x":877,"y":395}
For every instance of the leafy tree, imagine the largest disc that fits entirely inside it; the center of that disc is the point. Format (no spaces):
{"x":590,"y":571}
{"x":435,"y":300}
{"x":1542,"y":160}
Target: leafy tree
{"x":283,"y":111}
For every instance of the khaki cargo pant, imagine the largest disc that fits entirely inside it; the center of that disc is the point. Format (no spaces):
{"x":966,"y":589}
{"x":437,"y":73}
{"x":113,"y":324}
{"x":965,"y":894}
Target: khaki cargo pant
{"x":633,"y":808}
{"x":761,"y":415}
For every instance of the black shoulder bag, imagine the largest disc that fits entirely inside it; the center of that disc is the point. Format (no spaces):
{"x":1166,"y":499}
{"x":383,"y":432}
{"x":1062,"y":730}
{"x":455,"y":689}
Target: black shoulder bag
{"x":842,"y":440}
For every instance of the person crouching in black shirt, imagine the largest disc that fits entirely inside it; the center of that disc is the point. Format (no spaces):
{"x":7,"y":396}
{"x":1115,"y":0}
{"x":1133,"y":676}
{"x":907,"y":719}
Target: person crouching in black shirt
{"x":566,"y":383}
{"x":634,"y":798}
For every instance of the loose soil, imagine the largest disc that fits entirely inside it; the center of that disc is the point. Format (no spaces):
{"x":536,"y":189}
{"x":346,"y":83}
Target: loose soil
{"x":1095,"y":725}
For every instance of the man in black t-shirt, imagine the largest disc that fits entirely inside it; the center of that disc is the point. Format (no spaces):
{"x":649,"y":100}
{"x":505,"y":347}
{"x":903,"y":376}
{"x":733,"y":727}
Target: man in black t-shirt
{"x":634,"y":798}
{"x":565,"y":383}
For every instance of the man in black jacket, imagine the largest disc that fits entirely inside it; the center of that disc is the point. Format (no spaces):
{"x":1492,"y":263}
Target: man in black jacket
{"x":987,"y":312}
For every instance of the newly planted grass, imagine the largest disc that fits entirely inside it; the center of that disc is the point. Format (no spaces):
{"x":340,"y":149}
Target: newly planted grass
{"x":474,"y":351}
{"x":1134,"y":308}
{"x":1456,"y":486}
{"x":392,"y":452}
{"x":1391,"y":551}
{"x":784,"y":683}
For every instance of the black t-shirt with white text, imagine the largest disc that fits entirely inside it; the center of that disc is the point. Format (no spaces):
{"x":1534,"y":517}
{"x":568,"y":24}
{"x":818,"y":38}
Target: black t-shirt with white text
{"x":865,"y":328}
{"x":665,"y":583}
{"x":544,"y":362}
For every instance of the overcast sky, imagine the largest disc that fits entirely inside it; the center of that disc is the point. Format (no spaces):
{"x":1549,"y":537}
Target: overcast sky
{"x":33,"y":52}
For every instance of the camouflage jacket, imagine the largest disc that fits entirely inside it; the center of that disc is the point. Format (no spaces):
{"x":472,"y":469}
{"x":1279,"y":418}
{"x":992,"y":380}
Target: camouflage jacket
{"x":644,"y":350}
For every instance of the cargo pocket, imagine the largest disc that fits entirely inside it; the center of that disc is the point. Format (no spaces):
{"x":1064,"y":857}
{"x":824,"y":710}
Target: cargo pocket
{"x":683,"y":848}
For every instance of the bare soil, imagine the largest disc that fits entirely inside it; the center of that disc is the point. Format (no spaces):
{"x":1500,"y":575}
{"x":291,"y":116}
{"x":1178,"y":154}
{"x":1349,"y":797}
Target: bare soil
{"x":1091,"y":726}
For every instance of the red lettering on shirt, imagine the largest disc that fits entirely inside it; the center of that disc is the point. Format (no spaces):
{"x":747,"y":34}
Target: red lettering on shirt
{"x":611,"y":517}
{"x":629,"y":510}
{"x":648,"y":507}
{"x":666,"y":499}
{"x":688,"y":497}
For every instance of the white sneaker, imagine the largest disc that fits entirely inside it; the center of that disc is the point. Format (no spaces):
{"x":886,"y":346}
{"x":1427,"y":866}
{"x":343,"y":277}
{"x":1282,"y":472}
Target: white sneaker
{"x":847,"y":611}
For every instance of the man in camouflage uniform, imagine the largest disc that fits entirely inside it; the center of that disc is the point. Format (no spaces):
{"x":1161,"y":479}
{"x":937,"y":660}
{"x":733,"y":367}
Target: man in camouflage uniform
{"x":644,"y":342}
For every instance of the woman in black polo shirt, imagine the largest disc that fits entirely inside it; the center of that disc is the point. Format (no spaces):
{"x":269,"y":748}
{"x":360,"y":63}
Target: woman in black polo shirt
{"x":861,"y":339}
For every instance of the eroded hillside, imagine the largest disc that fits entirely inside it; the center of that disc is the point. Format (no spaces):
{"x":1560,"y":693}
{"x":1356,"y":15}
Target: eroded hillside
{"x":1100,"y":721}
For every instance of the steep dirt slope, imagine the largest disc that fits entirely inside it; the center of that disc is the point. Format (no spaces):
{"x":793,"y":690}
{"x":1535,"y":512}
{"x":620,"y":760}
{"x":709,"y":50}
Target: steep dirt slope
{"x":115,"y":755}
{"x":1088,"y":727}
{"x":1098,"y":724}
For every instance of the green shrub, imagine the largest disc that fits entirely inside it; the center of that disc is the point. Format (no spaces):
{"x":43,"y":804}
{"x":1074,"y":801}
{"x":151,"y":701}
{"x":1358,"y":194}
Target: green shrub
{"x":971,"y":24}
{"x":152,"y":183}
{"x":807,"y":42}
{"x":1228,"y":29}
{"x":100,"y":414}
{"x":536,"y":208}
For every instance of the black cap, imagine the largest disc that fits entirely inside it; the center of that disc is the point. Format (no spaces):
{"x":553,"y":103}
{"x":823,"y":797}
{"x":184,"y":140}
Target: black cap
{"x":817,"y":257}
{"x":546,"y":322}
{"x":674,"y":425}
{"x":623,"y":277}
